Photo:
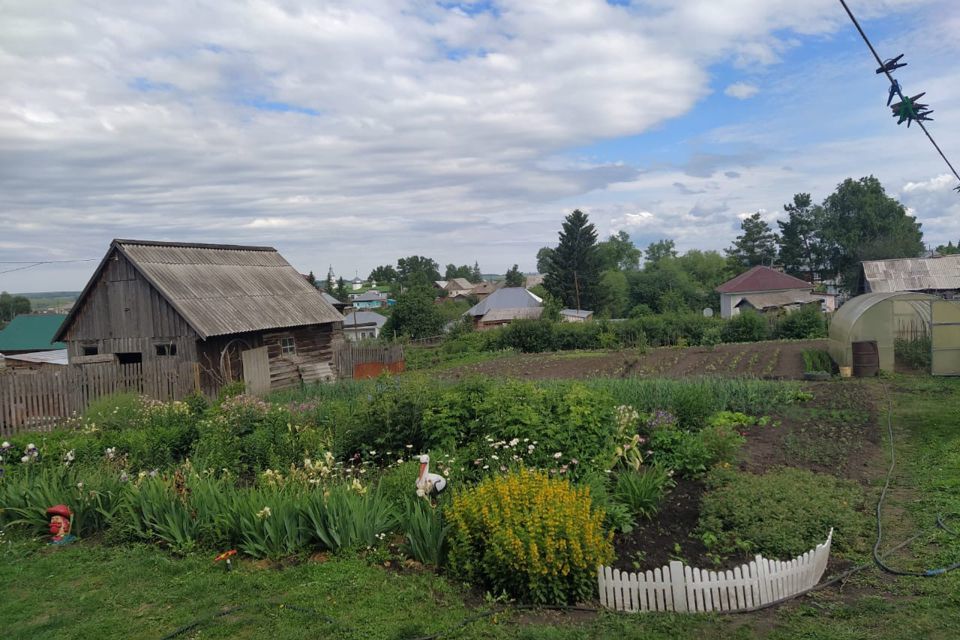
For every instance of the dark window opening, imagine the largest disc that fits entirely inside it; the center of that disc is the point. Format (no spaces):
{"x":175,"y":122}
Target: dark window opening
{"x":90,"y":350}
{"x":166,"y":349}
{"x":130,"y":358}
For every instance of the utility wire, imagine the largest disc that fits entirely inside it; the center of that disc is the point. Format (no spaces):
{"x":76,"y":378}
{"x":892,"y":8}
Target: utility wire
{"x":30,"y":265}
{"x":896,"y":86}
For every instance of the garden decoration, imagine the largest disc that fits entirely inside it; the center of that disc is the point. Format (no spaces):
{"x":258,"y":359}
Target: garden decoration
{"x":60,"y":516}
{"x":429,"y":484}
{"x":225,"y":556}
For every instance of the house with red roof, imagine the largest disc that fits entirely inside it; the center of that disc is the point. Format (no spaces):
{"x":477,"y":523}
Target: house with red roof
{"x":765,"y":289}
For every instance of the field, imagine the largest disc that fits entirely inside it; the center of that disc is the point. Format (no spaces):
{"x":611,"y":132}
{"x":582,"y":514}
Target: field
{"x":776,"y":360}
{"x":93,"y":589}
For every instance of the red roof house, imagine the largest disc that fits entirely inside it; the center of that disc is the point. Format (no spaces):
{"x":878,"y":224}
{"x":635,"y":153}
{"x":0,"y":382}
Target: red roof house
{"x":764,"y":289}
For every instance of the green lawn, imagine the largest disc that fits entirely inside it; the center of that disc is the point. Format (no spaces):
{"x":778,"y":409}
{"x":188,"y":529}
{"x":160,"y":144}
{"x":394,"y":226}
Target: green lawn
{"x":94,"y":591}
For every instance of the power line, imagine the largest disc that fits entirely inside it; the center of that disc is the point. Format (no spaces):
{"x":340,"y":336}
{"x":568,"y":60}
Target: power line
{"x":30,"y":265}
{"x":896,"y":86}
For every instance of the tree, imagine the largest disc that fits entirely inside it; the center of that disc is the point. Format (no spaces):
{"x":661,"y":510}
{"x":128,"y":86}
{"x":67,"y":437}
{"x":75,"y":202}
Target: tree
{"x":385,"y":274}
{"x":514,"y":278}
{"x":12,"y":306}
{"x":619,"y":252}
{"x":861,"y":222}
{"x":341,"y":293}
{"x":948,"y":249}
{"x":543,"y":259}
{"x":417,"y":271}
{"x":657,"y":251}
{"x":756,"y":245}
{"x":312,"y":279}
{"x":415,"y":315}
{"x":615,"y":293}
{"x":475,"y":275}
{"x":801,"y":245}
{"x":573,"y":276}
{"x":453,"y":271}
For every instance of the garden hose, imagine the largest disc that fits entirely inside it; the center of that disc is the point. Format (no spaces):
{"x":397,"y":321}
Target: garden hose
{"x":941,"y":519}
{"x":225,"y":612}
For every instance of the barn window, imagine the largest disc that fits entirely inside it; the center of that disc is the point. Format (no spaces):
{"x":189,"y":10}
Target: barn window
{"x":287,"y":346}
{"x":166,"y":349}
{"x":90,"y":349}
{"x":133,"y":357}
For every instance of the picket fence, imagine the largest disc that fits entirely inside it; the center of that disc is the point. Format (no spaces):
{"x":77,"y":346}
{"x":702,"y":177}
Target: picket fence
{"x":41,"y":400}
{"x":678,"y":587}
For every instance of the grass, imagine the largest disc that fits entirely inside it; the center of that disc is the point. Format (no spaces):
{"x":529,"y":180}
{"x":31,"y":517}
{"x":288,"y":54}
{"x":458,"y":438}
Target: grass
{"x":91,"y":590}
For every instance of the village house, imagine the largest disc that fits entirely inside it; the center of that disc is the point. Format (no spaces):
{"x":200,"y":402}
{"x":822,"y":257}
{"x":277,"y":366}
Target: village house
{"x":455,"y":287}
{"x":505,"y":305}
{"x":369,"y":300}
{"x":237,"y":312}
{"x":29,"y":333}
{"x":363,"y":325}
{"x":764,"y":289}
{"x":576,"y":315}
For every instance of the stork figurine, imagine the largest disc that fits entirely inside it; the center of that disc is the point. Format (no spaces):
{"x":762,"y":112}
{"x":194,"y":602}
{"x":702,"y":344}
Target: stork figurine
{"x":429,"y":484}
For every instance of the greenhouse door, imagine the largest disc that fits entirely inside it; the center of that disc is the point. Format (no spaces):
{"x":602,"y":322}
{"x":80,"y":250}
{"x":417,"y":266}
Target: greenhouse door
{"x":945,"y":338}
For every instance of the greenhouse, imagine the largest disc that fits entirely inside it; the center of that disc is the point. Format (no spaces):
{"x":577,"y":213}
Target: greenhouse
{"x":864,"y":330}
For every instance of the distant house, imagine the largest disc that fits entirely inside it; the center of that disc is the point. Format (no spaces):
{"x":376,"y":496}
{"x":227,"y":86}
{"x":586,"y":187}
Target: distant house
{"x":456,"y":287}
{"x":532,"y":280}
{"x":575,"y":315}
{"x":237,"y":312}
{"x":363,"y":325}
{"x":765,"y":289}
{"x":356,"y":284}
{"x":939,"y":276}
{"x":34,"y":361}
{"x":369,"y":300}
{"x":484,"y":289}
{"x":335,"y":303}
{"x":505,"y":305}
{"x":31,"y":332}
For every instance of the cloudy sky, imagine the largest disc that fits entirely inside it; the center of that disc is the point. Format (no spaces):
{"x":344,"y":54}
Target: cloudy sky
{"x":354,"y":133}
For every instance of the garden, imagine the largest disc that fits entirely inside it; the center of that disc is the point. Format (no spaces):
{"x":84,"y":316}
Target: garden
{"x":544,"y":480}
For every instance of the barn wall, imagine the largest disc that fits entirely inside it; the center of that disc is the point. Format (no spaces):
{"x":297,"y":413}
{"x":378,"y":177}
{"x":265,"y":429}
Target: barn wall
{"x":314,"y":344}
{"x":124,"y":313}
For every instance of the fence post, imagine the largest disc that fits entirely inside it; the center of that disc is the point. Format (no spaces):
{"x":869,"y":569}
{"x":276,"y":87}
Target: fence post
{"x":678,"y":587}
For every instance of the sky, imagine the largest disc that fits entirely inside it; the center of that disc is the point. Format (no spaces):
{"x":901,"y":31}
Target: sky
{"x":350,"y":134}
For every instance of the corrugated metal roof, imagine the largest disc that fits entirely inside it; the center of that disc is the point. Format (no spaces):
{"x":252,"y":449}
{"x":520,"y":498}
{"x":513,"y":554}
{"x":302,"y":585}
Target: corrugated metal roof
{"x":506,"y":298}
{"x":520,"y":313}
{"x":363,"y":318}
{"x":762,"y":278}
{"x":221,"y":291}
{"x":576,"y":313}
{"x":912,"y":274}
{"x":780,"y":298}
{"x":56,"y":356}
{"x":32,"y":333}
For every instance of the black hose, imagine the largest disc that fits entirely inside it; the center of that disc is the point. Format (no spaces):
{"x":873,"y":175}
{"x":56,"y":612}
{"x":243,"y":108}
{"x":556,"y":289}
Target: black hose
{"x":225,"y":612}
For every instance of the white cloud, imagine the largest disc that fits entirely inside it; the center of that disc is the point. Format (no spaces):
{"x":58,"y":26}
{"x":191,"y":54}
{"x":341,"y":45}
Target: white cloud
{"x":741,"y":90}
{"x":942,"y":182}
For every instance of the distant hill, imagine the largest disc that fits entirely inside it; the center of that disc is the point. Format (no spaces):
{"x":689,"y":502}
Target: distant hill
{"x":45,"y":300}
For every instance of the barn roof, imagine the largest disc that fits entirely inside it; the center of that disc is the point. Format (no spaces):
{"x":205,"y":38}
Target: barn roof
{"x":31,"y":333}
{"x":222,"y":289}
{"x":912,"y":274}
{"x":762,"y":278}
{"x":506,"y":298}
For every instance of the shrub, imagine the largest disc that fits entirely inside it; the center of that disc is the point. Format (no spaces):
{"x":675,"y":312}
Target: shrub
{"x":114,"y":412}
{"x":692,"y":407}
{"x":527,"y":336}
{"x":806,"y":323}
{"x":815,"y":360}
{"x":781,"y":513}
{"x":747,"y":326}
{"x":682,"y":451}
{"x":532,"y":537}
{"x":617,"y":516}
{"x":641,"y":491}
{"x":914,"y":352}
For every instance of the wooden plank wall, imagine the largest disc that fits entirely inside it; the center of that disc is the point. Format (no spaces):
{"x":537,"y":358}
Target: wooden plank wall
{"x":684,"y":589}
{"x":41,"y":400}
{"x":350,"y":357}
{"x":314,"y":344}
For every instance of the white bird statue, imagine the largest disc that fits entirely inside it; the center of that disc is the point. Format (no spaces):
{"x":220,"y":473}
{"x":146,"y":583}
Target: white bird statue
{"x":429,"y":483}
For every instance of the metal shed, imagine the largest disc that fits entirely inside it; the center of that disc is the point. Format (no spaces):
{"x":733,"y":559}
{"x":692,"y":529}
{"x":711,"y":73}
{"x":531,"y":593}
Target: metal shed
{"x":883,"y":317}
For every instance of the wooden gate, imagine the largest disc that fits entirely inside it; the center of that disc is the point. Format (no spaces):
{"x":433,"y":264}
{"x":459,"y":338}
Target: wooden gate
{"x":256,"y":371}
{"x":945,"y":338}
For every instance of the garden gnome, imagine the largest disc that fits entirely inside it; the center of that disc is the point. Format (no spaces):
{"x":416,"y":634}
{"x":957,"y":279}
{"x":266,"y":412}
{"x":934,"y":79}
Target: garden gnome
{"x":60,"y":524}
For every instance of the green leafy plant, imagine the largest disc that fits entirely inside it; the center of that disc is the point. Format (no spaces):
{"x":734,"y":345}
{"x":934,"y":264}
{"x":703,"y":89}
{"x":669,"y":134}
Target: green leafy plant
{"x":815,"y":360}
{"x":345,"y":519}
{"x":425,"y":529}
{"x":642,"y":491}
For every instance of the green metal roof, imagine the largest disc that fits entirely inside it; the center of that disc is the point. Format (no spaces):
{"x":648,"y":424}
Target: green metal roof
{"x":31,"y":333}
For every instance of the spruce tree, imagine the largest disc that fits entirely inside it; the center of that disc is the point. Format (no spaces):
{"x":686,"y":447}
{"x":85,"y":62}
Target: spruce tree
{"x":573,"y":275}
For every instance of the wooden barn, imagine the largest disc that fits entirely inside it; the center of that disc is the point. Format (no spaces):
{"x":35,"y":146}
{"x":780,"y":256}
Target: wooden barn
{"x":238,"y":312}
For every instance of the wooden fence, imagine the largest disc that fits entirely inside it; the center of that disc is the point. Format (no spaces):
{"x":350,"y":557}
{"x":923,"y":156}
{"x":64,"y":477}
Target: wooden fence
{"x":367,"y":361}
{"x":38,"y":401}
{"x":677,"y":587}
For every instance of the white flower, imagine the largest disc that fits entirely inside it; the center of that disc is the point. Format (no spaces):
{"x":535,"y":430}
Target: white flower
{"x":5,"y":445}
{"x":110,"y":452}
{"x":515,"y":442}
{"x":530,"y":448}
{"x":264,"y":513}
{"x":70,"y":456}
{"x":486,"y":466}
{"x":494,"y":456}
{"x":79,"y":485}
{"x":25,"y":459}
{"x":124,"y":477}
{"x":31,"y":447}
{"x":373,"y":453}
{"x":408,"y":446}
{"x":557,"y":455}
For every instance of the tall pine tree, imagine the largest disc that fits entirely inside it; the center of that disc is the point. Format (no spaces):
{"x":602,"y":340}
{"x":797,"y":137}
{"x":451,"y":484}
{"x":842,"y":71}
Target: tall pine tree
{"x":756,"y":245}
{"x":573,"y":274}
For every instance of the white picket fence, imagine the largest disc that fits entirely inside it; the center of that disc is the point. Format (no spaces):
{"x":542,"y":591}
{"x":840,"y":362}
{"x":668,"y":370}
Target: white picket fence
{"x":677,"y":587}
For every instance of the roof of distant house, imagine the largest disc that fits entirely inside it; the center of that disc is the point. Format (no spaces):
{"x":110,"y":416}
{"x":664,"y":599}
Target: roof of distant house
{"x":485,"y":287}
{"x":773,"y":299}
{"x":576,"y":313}
{"x":363,"y":319}
{"x":329,"y":298}
{"x":55,"y":356}
{"x":459,"y":283}
{"x":762,"y":278}
{"x":370,"y":296}
{"x":221,"y":289}
{"x":912,"y":274}
{"x":32,"y":332}
{"x":505,"y":298}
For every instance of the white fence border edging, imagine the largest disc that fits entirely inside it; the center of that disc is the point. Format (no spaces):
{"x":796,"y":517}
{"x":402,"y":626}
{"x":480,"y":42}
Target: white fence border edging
{"x":681,"y":588}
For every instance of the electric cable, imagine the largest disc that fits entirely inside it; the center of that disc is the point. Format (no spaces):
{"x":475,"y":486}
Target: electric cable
{"x":37,"y":263}
{"x":896,"y":86}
